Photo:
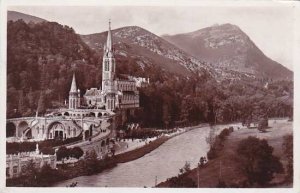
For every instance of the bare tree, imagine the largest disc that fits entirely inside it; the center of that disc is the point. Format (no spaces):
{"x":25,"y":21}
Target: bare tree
{"x":210,"y":139}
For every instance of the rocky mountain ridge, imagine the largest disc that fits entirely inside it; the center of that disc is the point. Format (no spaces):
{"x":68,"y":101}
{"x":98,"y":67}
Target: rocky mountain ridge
{"x":228,"y":47}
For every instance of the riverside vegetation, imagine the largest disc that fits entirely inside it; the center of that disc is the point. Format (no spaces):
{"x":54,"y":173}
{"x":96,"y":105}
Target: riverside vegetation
{"x":251,"y":160}
{"x":89,"y":165}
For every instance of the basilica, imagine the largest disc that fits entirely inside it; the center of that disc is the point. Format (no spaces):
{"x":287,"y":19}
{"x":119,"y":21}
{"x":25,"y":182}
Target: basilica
{"x":114,"y":93}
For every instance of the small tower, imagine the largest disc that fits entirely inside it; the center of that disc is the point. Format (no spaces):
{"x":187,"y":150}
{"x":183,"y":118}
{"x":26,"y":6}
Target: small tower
{"x":74,"y":95}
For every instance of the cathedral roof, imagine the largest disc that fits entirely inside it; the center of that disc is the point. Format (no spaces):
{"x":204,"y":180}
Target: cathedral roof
{"x":93,"y":92}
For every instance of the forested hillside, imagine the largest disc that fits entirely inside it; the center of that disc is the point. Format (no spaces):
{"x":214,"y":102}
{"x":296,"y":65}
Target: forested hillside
{"x":40,"y":61}
{"x":43,"y":56}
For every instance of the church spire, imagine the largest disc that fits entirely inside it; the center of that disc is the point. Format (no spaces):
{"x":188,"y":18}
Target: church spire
{"x":73,"y":86}
{"x":109,"y":40}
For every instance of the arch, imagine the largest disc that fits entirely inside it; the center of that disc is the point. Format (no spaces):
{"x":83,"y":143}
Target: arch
{"x":56,"y":130}
{"x":87,"y":134}
{"x":66,"y":114}
{"x":103,"y":143}
{"x":92,"y":114}
{"x":23,"y":125}
{"x":107,"y":141}
{"x":28,"y":133}
{"x":11,"y":129}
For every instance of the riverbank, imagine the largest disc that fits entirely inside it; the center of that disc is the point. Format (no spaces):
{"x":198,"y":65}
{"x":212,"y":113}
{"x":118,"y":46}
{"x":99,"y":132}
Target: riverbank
{"x":151,"y":145}
{"x":134,"y":154}
{"x":224,"y":166}
{"x":127,"y":145}
{"x":140,"y":152}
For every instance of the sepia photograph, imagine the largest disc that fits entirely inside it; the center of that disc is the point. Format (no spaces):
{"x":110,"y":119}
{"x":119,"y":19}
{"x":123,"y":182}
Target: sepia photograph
{"x":149,"y":96}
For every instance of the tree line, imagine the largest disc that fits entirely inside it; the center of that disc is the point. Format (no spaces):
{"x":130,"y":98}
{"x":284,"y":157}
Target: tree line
{"x":42,"y":57}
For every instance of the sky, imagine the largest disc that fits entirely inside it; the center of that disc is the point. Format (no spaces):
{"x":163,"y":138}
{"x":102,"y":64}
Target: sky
{"x":271,"y":28}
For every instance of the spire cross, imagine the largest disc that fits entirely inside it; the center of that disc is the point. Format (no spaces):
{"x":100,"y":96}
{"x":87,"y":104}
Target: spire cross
{"x":109,"y":23}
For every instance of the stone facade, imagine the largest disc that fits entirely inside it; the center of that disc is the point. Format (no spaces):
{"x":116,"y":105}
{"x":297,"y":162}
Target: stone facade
{"x":15,"y":164}
{"x":116,"y":93}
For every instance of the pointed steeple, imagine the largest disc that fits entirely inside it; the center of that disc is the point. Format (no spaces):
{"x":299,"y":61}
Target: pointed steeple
{"x":73,"y":85}
{"x":108,"y":46}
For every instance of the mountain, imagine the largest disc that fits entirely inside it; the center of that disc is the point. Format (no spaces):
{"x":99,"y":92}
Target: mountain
{"x":14,"y":16}
{"x":41,"y":58}
{"x":147,"y":49}
{"x":227,"y":47}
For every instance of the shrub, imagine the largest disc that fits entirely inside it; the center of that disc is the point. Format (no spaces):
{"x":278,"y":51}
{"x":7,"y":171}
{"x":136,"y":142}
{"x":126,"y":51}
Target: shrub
{"x":181,"y":182}
{"x":288,"y":151}
{"x":62,"y":152}
{"x":212,"y":153}
{"x":76,"y":152}
{"x":224,"y":133}
{"x":256,"y":161}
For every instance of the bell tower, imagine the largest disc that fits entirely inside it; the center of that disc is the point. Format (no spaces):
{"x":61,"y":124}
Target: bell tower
{"x":108,"y":63}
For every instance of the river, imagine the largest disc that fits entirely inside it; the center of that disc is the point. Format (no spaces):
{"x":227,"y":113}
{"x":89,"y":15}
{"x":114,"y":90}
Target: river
{"x":162,"y":163}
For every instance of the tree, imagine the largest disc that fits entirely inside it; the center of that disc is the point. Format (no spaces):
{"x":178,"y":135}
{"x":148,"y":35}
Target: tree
{"x":30,"y":172}
{"x":91,"y":162}
{"x":42,"y":103}
{"x":210,"y":139}
{"x":202,"y":161}
{"x":22,"y":107}
{"x":76,"y":152}
{"x":47,"y":176}
{"x":181,"y":182}
{"x":186,"y":168}
{"x":62,"y":153}
{"x":263,"y":124}
{"x":256,"y":161}
{"x":288,"y":151}
{"x":166,"y":116}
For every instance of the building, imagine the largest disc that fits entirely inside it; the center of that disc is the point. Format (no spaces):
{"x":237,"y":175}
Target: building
{"x":15,"y":164}
{"x":115,"y":92}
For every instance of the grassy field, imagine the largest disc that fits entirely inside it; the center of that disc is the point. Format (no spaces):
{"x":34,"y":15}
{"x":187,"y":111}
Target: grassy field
{"x":210,"y":173}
